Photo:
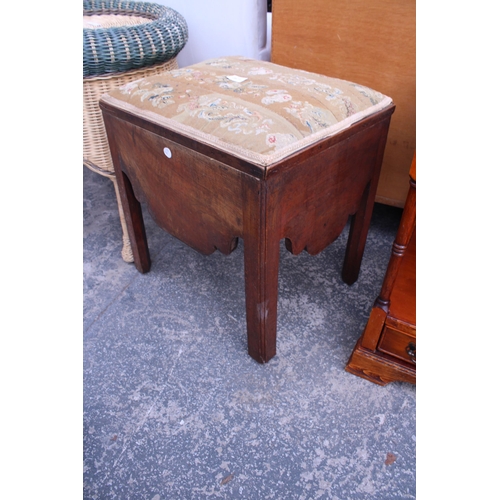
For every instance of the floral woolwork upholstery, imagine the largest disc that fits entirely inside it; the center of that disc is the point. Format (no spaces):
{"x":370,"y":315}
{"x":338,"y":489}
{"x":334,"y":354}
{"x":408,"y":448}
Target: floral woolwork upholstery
{"x":255,"y":110}
{"x":121,"y":35}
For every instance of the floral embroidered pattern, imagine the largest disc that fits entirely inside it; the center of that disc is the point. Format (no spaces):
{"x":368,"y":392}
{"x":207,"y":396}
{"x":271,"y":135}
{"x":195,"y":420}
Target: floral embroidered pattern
{"x":274,"y":96}
{"x":328,"y":91}
{"x":279,"y":141}
{"x":314,"y":118}
{"x":229,"y":115}
{"x":222,"y":63}
{"x":252,"y":107}
{"x":260,"y":71}
{"x":373,"y":95}
{"x":245,"y":87}
{"x":158,"y":94}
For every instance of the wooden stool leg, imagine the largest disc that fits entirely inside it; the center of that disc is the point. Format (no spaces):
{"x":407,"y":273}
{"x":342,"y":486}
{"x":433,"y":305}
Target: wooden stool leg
{"x":130,"y":204}
{"x":357,"y":236}
{"x":135,"y":223}
{"x":261,"y":255}
{"x":361,"y":219}
{"x":261,"y":293}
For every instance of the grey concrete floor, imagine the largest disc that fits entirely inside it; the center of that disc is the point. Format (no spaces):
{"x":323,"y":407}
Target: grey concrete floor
{"x":174,"y":408}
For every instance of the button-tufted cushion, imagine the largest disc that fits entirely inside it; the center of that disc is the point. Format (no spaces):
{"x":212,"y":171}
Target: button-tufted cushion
{"x":256,"y":110}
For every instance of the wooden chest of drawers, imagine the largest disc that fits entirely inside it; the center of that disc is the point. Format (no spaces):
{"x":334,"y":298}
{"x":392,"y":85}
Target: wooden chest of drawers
{"x":387,"y":349}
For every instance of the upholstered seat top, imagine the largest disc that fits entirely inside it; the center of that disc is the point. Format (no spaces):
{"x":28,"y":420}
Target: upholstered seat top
{"x":255,"y":110}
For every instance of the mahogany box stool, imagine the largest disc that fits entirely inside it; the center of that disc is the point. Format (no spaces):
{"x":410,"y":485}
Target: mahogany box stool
{"x":238,"y":148}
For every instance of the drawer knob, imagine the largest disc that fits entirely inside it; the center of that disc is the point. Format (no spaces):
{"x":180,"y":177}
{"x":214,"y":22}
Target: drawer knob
{"x":167,"y":152}
{"x":411,"y":350}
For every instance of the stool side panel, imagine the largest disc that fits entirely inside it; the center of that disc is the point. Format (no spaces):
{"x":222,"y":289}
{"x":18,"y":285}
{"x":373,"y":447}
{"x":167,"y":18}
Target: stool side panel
{"x":194,"y":198}
{"x":316,"y":196}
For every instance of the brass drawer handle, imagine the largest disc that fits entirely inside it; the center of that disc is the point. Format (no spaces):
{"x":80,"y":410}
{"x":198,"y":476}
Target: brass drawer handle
{"x":411,"y":350}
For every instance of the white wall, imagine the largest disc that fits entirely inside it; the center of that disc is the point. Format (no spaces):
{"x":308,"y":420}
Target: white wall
{"x":223,"y":28}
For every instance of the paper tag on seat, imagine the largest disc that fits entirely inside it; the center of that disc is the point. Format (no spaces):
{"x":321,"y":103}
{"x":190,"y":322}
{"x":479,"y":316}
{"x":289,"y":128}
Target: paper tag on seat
{"x":237,"y":79}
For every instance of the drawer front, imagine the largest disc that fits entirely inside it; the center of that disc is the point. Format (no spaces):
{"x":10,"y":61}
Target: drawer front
{"x":399,"y":344}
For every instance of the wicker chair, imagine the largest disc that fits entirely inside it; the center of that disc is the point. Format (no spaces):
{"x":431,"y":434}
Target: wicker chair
{"x":122,"y":41}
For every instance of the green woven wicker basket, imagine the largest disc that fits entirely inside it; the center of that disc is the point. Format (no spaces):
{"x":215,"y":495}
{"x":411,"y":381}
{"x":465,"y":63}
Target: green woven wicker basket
{"x":160,"y":35}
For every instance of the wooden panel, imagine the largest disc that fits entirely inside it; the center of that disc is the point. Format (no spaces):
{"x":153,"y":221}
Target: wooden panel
{"x":368,"y":42}
{"x":192,"y":197}
{"x":317,"y":195}
{"x":381,"y":355}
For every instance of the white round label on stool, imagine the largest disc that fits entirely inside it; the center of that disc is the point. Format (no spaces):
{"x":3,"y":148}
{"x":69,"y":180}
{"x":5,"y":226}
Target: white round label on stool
{"x":167,"y":152}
